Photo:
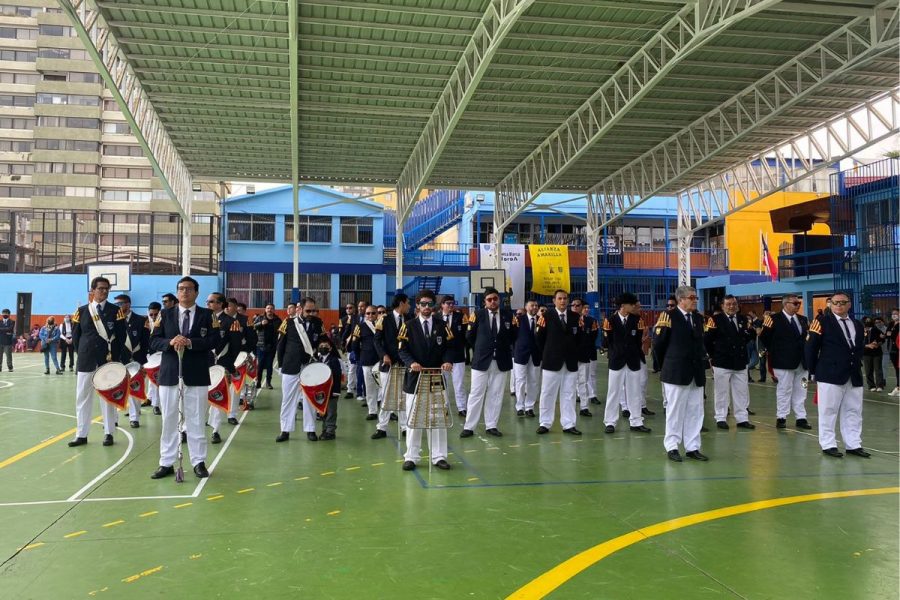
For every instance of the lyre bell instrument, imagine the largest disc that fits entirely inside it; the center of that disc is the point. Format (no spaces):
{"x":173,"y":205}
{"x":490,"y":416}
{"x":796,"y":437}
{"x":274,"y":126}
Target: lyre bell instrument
{"x":430,"y":409}
{"x":394,"y":397}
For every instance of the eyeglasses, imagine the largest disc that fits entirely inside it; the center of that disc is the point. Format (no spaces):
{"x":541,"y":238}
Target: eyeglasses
{"x":185,"y":288}
{"x":840,"y":302}
{"x":492,"y":299}
{"x":101,"y":289}
{"x":311,"y":311}
{"x":370,"y":313}
{"x":796,"y":303}
{"x":670,"y":306}
{"x":381,"y":312}
{"x":426,"y":304}
{"x":691,"y":297}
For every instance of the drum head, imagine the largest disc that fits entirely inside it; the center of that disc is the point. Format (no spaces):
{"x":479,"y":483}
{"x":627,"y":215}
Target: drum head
{"x":216,"y":374}
{"x":133,"y":368}
{"x":240,"y":359}
{"x":315,"y":374}
{"x":109,"y":376}
{"x":153,"y":361}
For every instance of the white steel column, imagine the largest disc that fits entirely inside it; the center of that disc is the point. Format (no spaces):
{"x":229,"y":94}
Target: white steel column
{"x":399,"y":256}
{"x":592,"y":232}
{"x":684,"y":242}
{"x":293,"y":46}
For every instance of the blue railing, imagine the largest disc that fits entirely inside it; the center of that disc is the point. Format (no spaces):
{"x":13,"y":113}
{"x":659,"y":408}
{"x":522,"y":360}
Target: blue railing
{"x":438,"y":212}
{"x":390,"y":228}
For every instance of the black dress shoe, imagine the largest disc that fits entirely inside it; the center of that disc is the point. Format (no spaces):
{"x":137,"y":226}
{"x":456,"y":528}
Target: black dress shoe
{"x":749,"y":379}
{"x":626,"y":414}
{"x":832,"y":452}
{"x":283,"y":437}
{"x":403,"y":433}
{"x":371,"y":417}
{"x":641,"y":429}
{"x":494,"y":432}
{"x":312,"y":437}
{"x":780,"y":423}
{"x":156,"y":410}
{"x":704,"y":430}
{"x":750,"y":412}
{"x":466,"y":433}
{"x":393,"y":417}
{"x":696,"y":455}
{"x":722,"y":425}
{"x":858,"y":452}
{"x":161,"y":472}
{"x":803,"y":424}
{"x":134,"y":424}
{"x":775,"y":380}
{"x":520,"y":413}
{"x":463,"y":413}
{"x":594,"y":400}
{"x":269,"y":386}
{"x":572,"y":431}
{"x":78,"y":442}
{"x":379,"y":434}
{"x":674,"y":455}
{"x":585,"y":413}
{"x":542,"y":430}
{"x":409,"y":465}
{"x":232,"y":421}
{"x":348,"y":395}
{"x":200,"y":470}
{"x":216,"y":438}
{"x":609,"y":429}
{"x":327,"y":436}
{"x":647,"y":412}
{"x":108,"y":440}
{"x":529,"y":413}
{"x":443,"y":465}
{"x":745,"y":425}
{"x":145,"y":403}
{"x":184,"y":437}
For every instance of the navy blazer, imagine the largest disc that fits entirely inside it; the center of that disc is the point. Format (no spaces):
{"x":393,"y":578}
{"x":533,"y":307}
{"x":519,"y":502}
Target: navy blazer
{"x":783,"y":342}
{"x":415,"y":348}
{"x":559,"y":345}
{"x":362,"y":342}
{"x":828,"y":354}
{"x":679,"y":347}
{"x":92,"y":349}
{"x":386,"y":331}
{"x":526,"y":348}
{"x":139,"y":334}
{"x":623,"y":341}
{"x":485,"y":346}
{"x":457,"y":323}
{"x":204,"y":336}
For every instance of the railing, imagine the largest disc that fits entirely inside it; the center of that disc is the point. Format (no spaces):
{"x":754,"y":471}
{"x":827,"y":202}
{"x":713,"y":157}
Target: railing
{"x":439,"y":211}
{"x":793,"y":265}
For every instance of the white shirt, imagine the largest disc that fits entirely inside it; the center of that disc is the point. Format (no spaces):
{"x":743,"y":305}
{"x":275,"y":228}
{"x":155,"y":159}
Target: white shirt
{"x":687,"y":316}
{"x":398,"y":318}
{"x":562,"y":317}
{"x":850,"y":326}
{"x":423,"y":320}
{"x":181,"y":310}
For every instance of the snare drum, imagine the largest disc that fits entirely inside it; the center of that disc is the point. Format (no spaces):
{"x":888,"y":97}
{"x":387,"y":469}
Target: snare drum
{"x":315,"y":381}
{"x":218,"y":395}
{"x":240,"y":365}
{"x":151,"y":367}
{"x":137,"y":387}
{"x":111,"y":383}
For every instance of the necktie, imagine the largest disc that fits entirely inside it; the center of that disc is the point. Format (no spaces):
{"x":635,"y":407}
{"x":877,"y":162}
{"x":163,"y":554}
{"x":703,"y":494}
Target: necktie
{"x":689,"y":320}
{"x":796,"y":324}
{"x":847,"y":331}
{"x":733,"y":320}
{"x":397,"y":317}
{"x":531,"y":319}
{"x":186,"y":324}
{"x":425,"y":328}
{"x":562,"y":319}
{"x":494,"y":324}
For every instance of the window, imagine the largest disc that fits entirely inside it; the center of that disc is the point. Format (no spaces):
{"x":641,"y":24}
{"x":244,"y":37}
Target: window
{"x":356,"y":230}
{"x":12,"y":100}
{"x":18,"y":33}
{"x":78,"y":122}
{"x":16,"y":123}
{"x":8,"y":10}
{"x":117,"y":128}
{"x":16,"y":169}
{"x":251,"y":228}
{"x":354,"y":288}
{"x":254,"y":289}
{"x":312,"y":229}
{"x":56,"y":30}
{"x":314,"y":285}
{"x":54,"y":76}
{"x":18,"y":55}
{"x":67,"y":190}
{"x":20,"y":78}
{"x":15,"y":145}
{"x":9,"y":191}
{"x":60,"y":167}
{"x":78,"y":77}
{"x":122,"y":150}
{"x":111,"y":105}
{"x":79,"y":145}
{"x":127,"y":173}
{"x":71,"y":99}
{"x":71,"y":54}
{"x":127,"y":195}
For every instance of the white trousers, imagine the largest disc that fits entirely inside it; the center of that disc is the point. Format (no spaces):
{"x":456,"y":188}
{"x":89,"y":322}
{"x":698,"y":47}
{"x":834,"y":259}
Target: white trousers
{"x":169,"y":439}
{"x":291,"y":395}
{"x":789,"y":393}
{"x":456,"y":379}
{"x":134,"y":409}
{"x":437,"y":439}
{"x":846,"y":402}
{"x":486,"y":392}
{"x":153,"y":393}
{"x":84,"y":407}
{"x":350,"y":372}
{"x":582,"y":383}
{"x":558,"y":383}
{"x":624,"y":390}
{"x":372,"y":389}
{"x":645,"y":378}
{"x":216,"y":416}
{"x":512,"y":386}
{"x":728,"y":381}
{"x":527,"y":379}
{"x":684,"y":416}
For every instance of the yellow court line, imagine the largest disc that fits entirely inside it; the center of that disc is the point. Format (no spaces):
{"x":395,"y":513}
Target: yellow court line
{"x":558,"y":575}
{"x":41,"y":446}
{"x":75,"y":534}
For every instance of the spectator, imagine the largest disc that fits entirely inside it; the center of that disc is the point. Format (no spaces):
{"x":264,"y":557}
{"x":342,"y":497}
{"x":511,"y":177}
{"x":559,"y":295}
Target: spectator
{"x":893,"y":330}
{"x":34,"y":339}
{"x":21,"y":344}
{"x":7,"y":335}
{"x":49,"y":336}
{"x":872,"y":340}
{"x":752,"y":352}
{"x":66,"y":343}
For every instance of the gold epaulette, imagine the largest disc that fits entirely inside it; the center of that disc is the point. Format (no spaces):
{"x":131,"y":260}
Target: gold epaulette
{"x":401,"y":335}
{"x":664,"y":321}
{"x":767,"y":321}
{"x":606,"y":325}
{"x":641,"y":323}
{"x":515,"y":321}
{"x":595,"y":326}
{"x":215,"y":322}
{"x":76,"y":316}
{"x":120,"y":316}
{"x":236,"y":326}
{"x":541,"y":322}
{"x":816,"y":327}
{"x":283,"y":328}
{"x":472,"y":316}
{"x":147,"y":323}
{"x":378,"y":325}
{"x":157,"y":322}
{"x":356,"y":332}
{"x":710,"y":324}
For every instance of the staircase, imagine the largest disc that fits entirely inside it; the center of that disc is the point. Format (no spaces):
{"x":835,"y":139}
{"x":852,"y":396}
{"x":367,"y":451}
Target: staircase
{"x":425,"y":282}
{"x":438,"y":212}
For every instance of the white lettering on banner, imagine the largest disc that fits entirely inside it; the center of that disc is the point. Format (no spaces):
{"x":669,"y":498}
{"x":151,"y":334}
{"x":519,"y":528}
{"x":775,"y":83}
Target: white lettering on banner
{"x":513,"y":262}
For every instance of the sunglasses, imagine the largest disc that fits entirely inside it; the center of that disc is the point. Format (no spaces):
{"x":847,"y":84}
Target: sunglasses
{"x":670,"y":305}
{"x":311,"y":311}
{"x":492,"y":299}
{"x":840,"y":302}
{"x":691,"y":297}
{"x":381,"y":312}
{"x":426,"y":304}
{"x":795,"y":303}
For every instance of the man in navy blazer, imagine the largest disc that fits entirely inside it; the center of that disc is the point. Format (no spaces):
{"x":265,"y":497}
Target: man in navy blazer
{"x":527,"y":362}
{"x":195,"y":330}
{"x":558,"y":335}
{"x":491,"y":333}
{"x":834,"y":349}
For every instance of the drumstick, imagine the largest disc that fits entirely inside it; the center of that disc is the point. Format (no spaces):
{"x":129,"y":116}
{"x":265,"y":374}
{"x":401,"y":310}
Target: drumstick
{"x":179,"y":474}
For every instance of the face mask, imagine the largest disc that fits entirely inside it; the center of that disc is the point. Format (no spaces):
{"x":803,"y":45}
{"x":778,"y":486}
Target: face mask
{"x":324,"y":349}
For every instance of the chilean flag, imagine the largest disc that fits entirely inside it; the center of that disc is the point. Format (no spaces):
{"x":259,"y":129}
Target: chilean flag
{"x":767,"y":260}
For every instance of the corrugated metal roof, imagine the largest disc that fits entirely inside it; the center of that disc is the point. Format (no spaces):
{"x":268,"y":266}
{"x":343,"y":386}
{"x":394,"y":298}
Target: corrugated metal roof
{"x":371,"y":72}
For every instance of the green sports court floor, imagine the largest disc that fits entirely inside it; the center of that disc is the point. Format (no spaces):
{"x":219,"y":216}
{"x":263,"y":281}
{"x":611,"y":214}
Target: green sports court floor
{"x":601,"y":516}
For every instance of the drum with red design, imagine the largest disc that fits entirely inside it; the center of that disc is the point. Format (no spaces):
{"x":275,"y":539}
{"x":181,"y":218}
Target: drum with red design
{"x":315,"y":381}
{"x":151,"y":367}
{"x":218,"y":394}
{"x":137,"y":384}
{"x":111,"y":383}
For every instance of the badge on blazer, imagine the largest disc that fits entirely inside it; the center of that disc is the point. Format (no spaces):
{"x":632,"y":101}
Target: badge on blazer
{"x":574,"y":331}
{"x":634,"y":332}
{"x":110,"y":325}
{"x":439,"y":340}
{"x":203,"y":332}
{"x":507,"y":324}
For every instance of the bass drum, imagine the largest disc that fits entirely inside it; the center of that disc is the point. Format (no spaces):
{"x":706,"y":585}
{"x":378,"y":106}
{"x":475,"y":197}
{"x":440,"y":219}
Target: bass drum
{"x":315,"y":381}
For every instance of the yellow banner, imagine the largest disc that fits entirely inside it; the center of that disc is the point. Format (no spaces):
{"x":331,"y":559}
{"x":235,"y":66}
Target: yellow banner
{"x":549,"y":268}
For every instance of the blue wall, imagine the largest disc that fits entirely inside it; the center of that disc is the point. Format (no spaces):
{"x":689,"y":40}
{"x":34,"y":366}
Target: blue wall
{"x":60,"y":294}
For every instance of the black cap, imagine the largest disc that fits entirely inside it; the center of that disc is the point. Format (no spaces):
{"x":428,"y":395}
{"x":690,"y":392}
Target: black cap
{"x":124,"y":297}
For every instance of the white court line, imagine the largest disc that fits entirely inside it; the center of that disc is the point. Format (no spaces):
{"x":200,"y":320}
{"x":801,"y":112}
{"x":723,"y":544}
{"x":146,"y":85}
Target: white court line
{"x":221,"y":453}
{"x":110,"y":469}
{"x":813,"y":435}
{"x":40,"y":502}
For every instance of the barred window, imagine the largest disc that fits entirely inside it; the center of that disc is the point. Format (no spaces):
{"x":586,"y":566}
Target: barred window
{"x":312,"y":229}
{"x":357,"y":230}
{"x":251,"y":228}
{"x":253,"y":289}
{"x":354,"y":288}
{"x":56,"y":30}
{"x":314,"y":285}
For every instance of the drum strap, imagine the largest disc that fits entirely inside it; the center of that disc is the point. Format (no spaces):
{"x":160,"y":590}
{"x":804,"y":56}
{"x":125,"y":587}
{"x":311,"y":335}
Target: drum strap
{"x":98,"y":324}
{"x":371,"y":325}
{"x":304,"y":339}
{"x":131,"y":348}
